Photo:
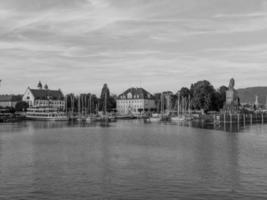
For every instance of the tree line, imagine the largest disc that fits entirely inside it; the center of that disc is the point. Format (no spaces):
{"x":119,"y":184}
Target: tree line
{"x":201,"y":95}
{"x":204,"y":96}
{"x":91,"y":103}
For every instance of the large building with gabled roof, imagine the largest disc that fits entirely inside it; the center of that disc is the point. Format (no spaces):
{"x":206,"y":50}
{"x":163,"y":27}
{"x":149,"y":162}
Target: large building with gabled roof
{"x":44,"y":97}
{"x":135,"y":101}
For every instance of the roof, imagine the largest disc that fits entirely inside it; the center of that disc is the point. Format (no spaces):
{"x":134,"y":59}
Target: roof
{"x":43,"y":94}
{"x":135,"y":93}
{"x":10,"y":98}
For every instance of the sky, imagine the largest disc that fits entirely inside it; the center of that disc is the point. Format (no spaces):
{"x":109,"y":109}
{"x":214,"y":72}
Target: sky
{"x":78,"y":45}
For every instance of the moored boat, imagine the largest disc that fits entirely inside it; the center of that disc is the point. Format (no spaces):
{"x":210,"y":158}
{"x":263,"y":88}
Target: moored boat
{"x":178,"y":119}
{"x":153,"y":118}
{"x":46,"y":114}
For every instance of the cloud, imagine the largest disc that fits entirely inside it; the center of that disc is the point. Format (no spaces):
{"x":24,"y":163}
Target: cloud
{"x":78,"y":45}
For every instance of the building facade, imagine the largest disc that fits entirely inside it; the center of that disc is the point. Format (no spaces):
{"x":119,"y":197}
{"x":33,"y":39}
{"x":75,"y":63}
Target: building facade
{"x":9,"y":100}
{"x":44,"y":98}
{"x":135,"y":101}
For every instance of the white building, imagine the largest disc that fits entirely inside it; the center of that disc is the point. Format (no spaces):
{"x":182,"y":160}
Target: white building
{"x":44,"y":97}
{"x":134,"y":101}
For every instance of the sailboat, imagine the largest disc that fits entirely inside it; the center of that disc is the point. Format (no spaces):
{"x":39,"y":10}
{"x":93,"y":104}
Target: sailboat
{"x":179,"y":117}
{"x":81,"y":115}
{"x":105,"y":117}
{"x":189,"y":117}
{"x":91,"y":117}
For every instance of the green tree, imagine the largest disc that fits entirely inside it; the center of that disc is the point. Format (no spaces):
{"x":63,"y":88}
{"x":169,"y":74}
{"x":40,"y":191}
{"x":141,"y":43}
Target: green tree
{"x":221,"y":96}
{"x":110,"y":100}
{"x":185,"y":92}
{"x":21,"y":106}
{"x":157,"y":98}
{"x":203,"y":96}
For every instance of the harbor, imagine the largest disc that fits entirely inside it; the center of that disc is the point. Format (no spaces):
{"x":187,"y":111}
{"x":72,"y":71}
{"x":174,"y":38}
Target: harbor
{"x":133,"y":100}
{"x":44,"y":104}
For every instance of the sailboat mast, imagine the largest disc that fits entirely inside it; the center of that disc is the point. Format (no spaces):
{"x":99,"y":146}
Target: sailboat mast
{"x":89,"y":105}
{"x":79,"y":106}
{"x":189,"y":106}
{"x":178,"y":104}
{"x":105,"y":104}
{"x":162,"y":104}
{"x":72,"y":104}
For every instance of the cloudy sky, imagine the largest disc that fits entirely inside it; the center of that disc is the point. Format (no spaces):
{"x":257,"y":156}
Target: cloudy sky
{"x":78,"y":45}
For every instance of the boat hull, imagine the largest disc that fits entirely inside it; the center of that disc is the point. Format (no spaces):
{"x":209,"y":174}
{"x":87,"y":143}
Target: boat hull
{"x":47,"y":118}
{"x":178,"y":119}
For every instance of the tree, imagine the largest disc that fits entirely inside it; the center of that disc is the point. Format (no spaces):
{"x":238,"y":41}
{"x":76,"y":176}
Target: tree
{"x":110,"y":100}
{"x":71,"y":102}
{"x":221,"y":96}
{"x":185,"y":92}
{"x":21,"y":106}
{"x":157,"y":98}
{"x":204,"y":96}
{"x":46,"y":87}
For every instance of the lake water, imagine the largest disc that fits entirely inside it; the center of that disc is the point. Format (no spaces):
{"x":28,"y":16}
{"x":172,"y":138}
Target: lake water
{"x":131,"y":160}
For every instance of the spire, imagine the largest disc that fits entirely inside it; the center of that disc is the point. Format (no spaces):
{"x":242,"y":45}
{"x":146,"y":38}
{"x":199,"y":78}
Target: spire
{"x":40,"y":86}
{"x":46,"y":87}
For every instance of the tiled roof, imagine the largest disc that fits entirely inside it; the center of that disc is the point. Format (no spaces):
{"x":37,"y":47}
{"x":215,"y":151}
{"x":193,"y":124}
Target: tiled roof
{"x":10,"y":98}
{"x":135,"y":93}
{"x":47,"y":94}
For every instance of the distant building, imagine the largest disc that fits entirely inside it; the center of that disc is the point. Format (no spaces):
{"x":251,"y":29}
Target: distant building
{"x":44,"y":97}
{"x":134,"y":101}
{"x":9,"y":100}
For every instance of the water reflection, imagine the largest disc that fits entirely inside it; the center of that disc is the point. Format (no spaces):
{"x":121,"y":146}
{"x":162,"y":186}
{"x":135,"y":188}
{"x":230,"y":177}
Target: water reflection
{"x":227,"y":127}
{"x":106,"y":174}
{"x":130,"y":160}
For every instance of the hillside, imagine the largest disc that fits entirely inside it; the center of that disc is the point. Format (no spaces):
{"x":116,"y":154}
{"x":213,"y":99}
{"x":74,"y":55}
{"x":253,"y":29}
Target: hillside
{"x":247,"y":95}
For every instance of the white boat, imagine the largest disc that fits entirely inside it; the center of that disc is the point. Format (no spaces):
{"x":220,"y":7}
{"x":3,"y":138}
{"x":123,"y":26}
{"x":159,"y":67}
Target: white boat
{"x":178,"y":118}
{"x":153,"y":118}
{"x":46,"y":114}
{"x":91,"y":119}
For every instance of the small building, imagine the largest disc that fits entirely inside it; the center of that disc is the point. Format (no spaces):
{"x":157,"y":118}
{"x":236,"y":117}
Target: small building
{"x":44,"y":97}
{"x":9,"y":100}
{"x":135,"y":101}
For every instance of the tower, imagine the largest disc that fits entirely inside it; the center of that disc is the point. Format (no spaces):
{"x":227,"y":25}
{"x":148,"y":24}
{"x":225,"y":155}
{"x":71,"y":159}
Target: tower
{"x":46,"y":87}
{"x":40,"y":86}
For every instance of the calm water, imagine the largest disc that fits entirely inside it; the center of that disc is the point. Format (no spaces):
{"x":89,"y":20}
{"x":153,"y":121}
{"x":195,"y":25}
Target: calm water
{"x":131,"y":160}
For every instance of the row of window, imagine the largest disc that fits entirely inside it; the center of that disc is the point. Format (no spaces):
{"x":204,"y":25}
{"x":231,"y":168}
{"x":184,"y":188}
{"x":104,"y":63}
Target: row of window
{"x":128,"y":107}
{"x":51,"y":102}
{"x":130,"y":96}
{"x":130,"y":101}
